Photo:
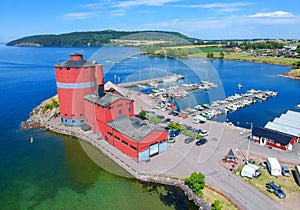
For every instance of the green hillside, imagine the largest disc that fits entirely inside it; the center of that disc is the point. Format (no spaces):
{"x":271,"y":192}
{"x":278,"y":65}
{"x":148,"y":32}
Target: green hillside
{"x":100,"y":38}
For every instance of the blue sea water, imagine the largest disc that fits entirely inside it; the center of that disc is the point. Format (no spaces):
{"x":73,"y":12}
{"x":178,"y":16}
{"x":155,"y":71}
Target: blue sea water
{"x":54,"y":172}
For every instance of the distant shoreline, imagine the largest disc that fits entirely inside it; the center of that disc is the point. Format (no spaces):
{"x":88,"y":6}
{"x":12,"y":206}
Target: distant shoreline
{"x":292,"y":74}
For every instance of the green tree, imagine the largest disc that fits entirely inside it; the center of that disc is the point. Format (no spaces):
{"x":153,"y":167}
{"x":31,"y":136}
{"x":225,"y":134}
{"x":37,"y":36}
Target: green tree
{"x":216,"y":205}
{"x":296,"y":65}
{"x":222,"y":55}
{"x":210,"y":55}
{"x":173,"y":126}
{"x":298,"y":48}
{"x":143,"y":114}
{"x":195,"y":182}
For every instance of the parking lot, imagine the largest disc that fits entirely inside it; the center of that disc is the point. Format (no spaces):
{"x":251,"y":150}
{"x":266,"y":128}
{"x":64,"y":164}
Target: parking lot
{"x":182,"y":159}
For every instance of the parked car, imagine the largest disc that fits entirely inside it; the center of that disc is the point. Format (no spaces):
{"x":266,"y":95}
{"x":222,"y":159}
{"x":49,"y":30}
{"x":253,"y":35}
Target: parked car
{"x":275,"y":189}
{"x":188,"y":127}
{"x":175,"y":113}
{"x":285,"y":171}
{"x":174,"y":133}
{"x":201,"y":141}
{"x":171,"y":140}
{"x":204,"y":133}
{"x":189,"y":140}
{"x":166,"y":120}
{"x":160,"y":117}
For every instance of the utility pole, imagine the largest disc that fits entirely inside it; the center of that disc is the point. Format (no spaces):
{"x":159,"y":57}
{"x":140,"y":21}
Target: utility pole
{"x":251,"y":127}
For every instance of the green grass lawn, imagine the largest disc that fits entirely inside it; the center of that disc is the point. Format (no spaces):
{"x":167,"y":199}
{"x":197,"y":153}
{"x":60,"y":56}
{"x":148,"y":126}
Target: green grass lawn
{"x":202,"y":52}
{"x":261,"y":59}
{"x":210,"y":196}
{"x":288,"y":184}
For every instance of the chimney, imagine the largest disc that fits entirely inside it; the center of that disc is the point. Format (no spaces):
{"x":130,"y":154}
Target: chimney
{"x":100,"y":80}
{"x":76,"y":56}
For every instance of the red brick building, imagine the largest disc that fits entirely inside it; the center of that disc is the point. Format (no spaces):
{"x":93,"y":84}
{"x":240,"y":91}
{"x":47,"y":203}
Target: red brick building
{"x":110,"y":114}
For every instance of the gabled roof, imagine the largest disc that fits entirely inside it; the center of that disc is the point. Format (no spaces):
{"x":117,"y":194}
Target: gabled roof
{"x":230,"y":154}
{"x":109,"y":85}
{"x":133,"y":127}
{"x":273,"y":135}
{"x":105,"y":100}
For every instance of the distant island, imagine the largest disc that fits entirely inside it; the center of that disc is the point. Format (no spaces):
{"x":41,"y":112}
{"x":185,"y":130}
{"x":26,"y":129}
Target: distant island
{"x":101,"y":38}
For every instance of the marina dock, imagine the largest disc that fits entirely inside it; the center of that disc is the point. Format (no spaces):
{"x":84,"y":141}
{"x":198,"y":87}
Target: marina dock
{"x":167,"y":79}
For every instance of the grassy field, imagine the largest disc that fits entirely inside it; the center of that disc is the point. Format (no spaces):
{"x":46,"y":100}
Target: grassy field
{"x":261,"y":59}
{"x":201,"y":51}
{"x":210,"y":196}
{"x":288,"y":184}
{"x":243,"y":57}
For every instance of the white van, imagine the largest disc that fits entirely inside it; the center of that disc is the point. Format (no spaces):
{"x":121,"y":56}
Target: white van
{"x":273,"y":166}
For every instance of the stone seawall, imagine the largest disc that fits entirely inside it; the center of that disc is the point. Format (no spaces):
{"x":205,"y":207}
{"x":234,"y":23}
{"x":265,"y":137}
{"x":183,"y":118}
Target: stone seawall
{"x":153,"y":178}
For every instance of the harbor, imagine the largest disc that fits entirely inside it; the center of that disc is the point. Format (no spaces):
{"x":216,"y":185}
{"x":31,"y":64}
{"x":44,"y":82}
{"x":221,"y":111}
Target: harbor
{"x":206,"y":111}
{"x":230,"y":104}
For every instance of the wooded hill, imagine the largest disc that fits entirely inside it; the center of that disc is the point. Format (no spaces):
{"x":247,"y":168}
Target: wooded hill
{"x":100,"y":38}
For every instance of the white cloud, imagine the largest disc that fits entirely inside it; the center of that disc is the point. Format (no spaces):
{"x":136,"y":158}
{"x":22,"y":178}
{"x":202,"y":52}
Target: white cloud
{"x":145,"y":11}
{"x":133,"y":3}
{"x":273,"y":14}
{"x":79,"y":15}
{"x":98,"y":5}
{"x":232,"y":27}
{"x":225,"y":5}
{"x":221,"y":7}
{"x":118,"y":12}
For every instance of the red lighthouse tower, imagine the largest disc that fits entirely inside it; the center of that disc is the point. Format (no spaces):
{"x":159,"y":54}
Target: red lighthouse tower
{"x":75,"y":79}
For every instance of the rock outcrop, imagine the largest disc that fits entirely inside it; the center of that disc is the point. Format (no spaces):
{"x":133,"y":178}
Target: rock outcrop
{"x":47,"y":110}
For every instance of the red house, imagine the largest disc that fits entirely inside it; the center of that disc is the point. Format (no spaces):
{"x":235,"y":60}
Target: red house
{"x":273,"y":138}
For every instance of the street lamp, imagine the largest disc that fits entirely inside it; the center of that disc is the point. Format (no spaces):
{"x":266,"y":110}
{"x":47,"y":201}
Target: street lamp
{"x":251,"y":126}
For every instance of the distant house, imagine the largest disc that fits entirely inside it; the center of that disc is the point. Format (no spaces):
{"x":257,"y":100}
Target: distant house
{"x":273,"y":138}
{"x":228,"y":47}
{"x":237,"y":50}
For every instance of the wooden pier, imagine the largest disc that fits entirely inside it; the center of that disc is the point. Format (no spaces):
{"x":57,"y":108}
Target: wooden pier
{"x":171,"y":78}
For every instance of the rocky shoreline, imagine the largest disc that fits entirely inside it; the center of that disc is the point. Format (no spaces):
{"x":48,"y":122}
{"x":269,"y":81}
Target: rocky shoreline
{"x":39,"y":116}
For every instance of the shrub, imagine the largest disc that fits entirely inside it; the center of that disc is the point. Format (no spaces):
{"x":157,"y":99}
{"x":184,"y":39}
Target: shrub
{"x":195,"y":182}
{"x":52,"y":105}
{"x":143,"y":114}
{"x":216,"y":205}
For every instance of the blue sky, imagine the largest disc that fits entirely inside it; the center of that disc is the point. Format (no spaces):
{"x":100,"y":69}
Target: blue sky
{"x":220,"y":19}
